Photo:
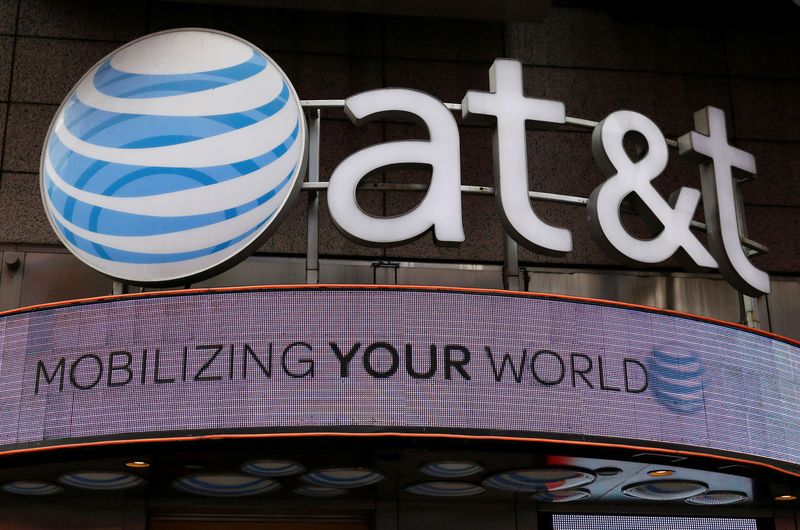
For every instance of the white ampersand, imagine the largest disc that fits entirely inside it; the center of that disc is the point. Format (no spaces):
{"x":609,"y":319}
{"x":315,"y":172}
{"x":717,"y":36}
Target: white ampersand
{"x":627,"y":176}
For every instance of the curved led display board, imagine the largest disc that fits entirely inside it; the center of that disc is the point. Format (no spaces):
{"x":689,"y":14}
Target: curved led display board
{"x":267,"y":361}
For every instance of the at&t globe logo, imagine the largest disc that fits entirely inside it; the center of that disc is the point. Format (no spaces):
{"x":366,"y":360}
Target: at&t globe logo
{"x":173,"y":157}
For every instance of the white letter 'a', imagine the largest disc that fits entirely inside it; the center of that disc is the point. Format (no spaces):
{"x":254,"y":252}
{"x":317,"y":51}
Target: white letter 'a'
{"x":441,"y":207}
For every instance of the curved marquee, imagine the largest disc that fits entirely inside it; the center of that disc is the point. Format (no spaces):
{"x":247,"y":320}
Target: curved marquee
{"x":386,"y":360}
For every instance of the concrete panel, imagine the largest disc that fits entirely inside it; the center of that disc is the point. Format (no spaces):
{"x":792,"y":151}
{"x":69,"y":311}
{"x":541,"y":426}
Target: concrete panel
{"x":330,"y":76}
{"x":446,"y":39}
{"x":759,"y":50}
{"x":6,"y":51}
{"x":766,"y":109}
{"x":83,"y":19}
{"x":290,"y":236}
{"x":340,"y":139}
{"x":595,"y":38}
{"x":8,"y":16}
{"x":482,"y":228}
{"x":447,"y":81}
{"x":778,"y":228}
{"x":22,"y":217}
{"x":333,"y":243}
{"x":3,"y":112}
{"x":46,"y":69}
{"x":276,"y":30}
{"x":584,"y":249}
{"x":562,"y":162}
{"x":669,"y":100}
{"x":25,"y":132}
{"x":778,"y":179}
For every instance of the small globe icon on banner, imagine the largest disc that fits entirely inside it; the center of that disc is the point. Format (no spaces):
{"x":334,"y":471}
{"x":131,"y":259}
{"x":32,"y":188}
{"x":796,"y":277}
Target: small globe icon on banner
{"x":677,"y":378}
{"x":173,"y":157}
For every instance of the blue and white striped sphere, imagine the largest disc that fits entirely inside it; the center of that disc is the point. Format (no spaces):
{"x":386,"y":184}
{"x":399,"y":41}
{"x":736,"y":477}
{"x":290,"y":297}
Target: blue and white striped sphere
{"x":173,"y":155}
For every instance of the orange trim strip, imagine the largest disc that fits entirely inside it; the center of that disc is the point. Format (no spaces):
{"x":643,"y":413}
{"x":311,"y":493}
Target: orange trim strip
{"x":205,"y":437}
{"x":371,"y":287}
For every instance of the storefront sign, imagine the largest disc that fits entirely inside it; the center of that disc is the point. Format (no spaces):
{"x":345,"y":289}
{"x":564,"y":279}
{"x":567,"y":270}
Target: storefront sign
{"x":177,"y":154}
{"x":394,"y":360}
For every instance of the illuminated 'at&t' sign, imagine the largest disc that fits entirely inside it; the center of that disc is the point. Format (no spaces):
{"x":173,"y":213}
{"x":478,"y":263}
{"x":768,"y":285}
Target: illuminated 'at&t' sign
{"x":177,"y":155}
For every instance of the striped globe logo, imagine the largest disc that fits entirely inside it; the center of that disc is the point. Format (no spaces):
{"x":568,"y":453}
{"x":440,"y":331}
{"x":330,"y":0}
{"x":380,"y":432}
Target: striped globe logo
{"x":677,"y":379}
{"x":173,"y":156}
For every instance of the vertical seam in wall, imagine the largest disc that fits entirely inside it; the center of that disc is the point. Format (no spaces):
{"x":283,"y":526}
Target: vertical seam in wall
{"x":148,"y":17}
{"x":504,"y":36}
{"x":724,"y":39}
{"x":383,"y":252}
{"x":10,"y":85}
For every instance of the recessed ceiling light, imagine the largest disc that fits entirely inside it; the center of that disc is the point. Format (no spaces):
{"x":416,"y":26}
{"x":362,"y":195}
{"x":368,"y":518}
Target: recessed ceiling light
{"x":451,"y":469}
{"x":137,"y":464}
{"x":31,"y":487}
{"x":273,"y":468}
{"x":661,"y":473}
{"x":607,"y":471}
{"x":544,"y":479}
{"x":344,"y":477}
{"x":444,"y":488}
{"x":561,"y":496}
{"x":786,"y":498}
{"x":320,"y":491}
{"x":715,"y":498}
{"x":225,"y":484}
{"x":101,"y":480}
{"x":665,"y":490}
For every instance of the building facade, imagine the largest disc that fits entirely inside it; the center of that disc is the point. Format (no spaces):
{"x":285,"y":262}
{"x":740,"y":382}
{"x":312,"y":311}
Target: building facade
{"x":665,"y":61}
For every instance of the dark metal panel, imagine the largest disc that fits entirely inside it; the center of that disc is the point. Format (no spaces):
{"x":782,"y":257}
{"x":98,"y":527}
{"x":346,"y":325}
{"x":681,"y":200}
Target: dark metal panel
{"x":69,"y":513}
{"x":346,"y":272}
{"x":464,"y":515}
{"x":699,"y":295}
{"x":260,"y":270}
{"x":450,"y":275}
{"x":784,"y":307}
{"x":703,"y":296}
{"x":13,"y":264}
{"x":50,"y":277}
{"x":633,"y":288}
